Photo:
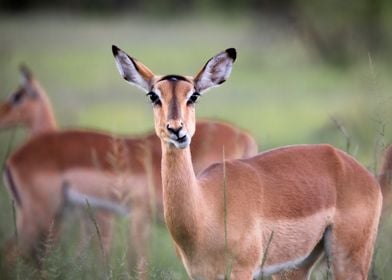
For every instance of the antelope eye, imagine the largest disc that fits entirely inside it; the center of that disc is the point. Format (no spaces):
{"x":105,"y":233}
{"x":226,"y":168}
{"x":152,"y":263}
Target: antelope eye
{"x":154,"y":98}
{"x":16,"y":98}
{"x":193,"y":98}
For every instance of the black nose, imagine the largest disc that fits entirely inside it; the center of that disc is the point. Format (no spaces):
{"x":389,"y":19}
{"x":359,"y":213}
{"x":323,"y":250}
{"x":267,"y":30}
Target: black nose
{"x":173,"y":130}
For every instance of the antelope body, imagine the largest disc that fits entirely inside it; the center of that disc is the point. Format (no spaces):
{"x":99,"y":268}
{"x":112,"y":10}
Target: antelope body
{"x":271,"y":214}
{"x":97,"y":165}
{"x":385,"y":179}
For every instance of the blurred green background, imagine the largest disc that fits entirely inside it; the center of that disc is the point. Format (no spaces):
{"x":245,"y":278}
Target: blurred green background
{"x":306,"y":70}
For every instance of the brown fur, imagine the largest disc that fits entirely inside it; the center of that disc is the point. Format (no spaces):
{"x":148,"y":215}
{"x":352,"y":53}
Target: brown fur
{"x":385,"y":179}
{"x":98,"y":164}
{"x":297,"y":193}
{"x":33,"y":110}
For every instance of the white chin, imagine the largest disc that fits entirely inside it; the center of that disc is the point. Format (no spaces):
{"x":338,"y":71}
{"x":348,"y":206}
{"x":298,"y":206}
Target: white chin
{"x":180,"y":145}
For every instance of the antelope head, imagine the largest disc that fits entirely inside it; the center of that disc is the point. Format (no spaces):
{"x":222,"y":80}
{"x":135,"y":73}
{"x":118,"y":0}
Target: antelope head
{"x":173,"y":97}
{"x":20,"y":107}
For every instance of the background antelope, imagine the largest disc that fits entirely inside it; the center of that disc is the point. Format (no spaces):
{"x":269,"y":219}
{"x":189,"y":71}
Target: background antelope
{"x":385,"y":179}
{"x":28,"y":106}
{"x":294,"y":202}
{"x":98,"y":166}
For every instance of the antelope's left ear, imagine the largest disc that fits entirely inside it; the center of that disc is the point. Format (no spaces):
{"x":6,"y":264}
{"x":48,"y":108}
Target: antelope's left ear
{"x":28,"y":81}
{"x":132,"y":70}
{"x":26,"y":75}
{"x":216,"y":71}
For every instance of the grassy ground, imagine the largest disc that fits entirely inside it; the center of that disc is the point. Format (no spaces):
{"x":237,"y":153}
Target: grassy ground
{"x":278,"y":90}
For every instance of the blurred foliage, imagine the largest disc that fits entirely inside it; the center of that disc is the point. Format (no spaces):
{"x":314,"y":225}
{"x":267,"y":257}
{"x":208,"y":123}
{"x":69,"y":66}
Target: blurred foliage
{"x":335,"y":30}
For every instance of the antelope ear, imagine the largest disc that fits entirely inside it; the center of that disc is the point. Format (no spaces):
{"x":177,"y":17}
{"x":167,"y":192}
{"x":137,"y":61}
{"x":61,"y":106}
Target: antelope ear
{"x":216,"y":71}
{"x":25,"y":74}
{"x":28,"y":81}
{"x":132,"y":70}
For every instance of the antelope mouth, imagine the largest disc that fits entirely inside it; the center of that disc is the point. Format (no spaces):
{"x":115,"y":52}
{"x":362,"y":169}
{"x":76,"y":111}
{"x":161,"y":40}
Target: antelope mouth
{"x":180,"y":142}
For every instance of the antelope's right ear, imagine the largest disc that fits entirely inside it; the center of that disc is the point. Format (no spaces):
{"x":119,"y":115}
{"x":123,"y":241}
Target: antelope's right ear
{"x":25,"y":74}
{"x":215,"y":71}
{"x":132,"y":70}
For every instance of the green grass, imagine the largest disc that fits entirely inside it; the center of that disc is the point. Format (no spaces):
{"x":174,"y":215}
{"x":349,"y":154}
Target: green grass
{"x":279,"y":91}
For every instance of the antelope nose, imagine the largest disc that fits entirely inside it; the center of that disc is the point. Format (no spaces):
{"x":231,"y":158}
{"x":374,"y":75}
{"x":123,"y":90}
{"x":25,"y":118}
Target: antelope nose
{"x":175,"y":129}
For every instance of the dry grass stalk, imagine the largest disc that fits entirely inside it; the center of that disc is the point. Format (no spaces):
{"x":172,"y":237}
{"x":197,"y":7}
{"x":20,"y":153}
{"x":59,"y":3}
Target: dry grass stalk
{"x":228,"y":258}
{"x":147,"y":162}
{"x":265,"y":255}
{"x":339,"y":125}
{"x":91,"y":215}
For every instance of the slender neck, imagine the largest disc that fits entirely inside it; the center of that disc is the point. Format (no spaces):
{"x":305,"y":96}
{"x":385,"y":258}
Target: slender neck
{"x":43,"y":119}
{"x":181,"y":194}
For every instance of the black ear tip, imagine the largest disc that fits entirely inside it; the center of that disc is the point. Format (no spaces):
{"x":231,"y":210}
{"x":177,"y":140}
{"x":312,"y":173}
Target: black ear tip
{"x":25,"y":71}
{"x":115,"y":50}
{"x":23,"y":67}
{"x":232,"y":53}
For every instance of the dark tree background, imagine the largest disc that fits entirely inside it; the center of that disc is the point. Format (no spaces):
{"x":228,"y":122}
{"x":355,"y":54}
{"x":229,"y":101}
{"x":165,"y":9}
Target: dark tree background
{"x":337,"y":31}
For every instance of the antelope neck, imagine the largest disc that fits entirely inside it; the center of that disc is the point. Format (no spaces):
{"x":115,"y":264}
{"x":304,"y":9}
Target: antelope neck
{"x":43,"y":121}
{"x":180,"y":194}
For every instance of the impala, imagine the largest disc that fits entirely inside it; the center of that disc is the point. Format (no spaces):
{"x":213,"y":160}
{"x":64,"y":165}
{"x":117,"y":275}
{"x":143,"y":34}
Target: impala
{"x":274,"y":212}
{"x":98,"y":166}
{"x":385,"y":179}
{"x":28,"y":106}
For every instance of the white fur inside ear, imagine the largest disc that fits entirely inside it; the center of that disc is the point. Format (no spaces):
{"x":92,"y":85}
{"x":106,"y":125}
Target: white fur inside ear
{"x":215,"y":72}
{"x":23,"y":79}
{"x":128,"y":71}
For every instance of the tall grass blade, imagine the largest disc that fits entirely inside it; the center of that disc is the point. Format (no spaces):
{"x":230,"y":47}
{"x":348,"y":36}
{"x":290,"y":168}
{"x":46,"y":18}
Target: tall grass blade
{"x":344,"y":132}
{"x":91,"y":215}
{"x":265,"y":255}
{"x":17,"y":267}
{"x":228,"y":259}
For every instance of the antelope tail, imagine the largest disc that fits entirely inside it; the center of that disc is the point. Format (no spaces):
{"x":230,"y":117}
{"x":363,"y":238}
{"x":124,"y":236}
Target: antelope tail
{"x":385,"y":180}
{"x":76,"y":198}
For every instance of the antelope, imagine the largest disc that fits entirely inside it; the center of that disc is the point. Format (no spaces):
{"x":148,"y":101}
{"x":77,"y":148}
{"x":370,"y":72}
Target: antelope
{"x":28,"y":106}
{"x":385,"y":179}
{"x":265,"y":215}
{"x":91,"y":161}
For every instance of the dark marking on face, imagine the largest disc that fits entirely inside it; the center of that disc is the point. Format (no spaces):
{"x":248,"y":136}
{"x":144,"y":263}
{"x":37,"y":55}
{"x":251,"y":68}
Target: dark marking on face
{"x":174,"y":110}
{"x":17,"y":97}
{"x":174,"y":78}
